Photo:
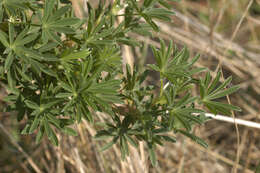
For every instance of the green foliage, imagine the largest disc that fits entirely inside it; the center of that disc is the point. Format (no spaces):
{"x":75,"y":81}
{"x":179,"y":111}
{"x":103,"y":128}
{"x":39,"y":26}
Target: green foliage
{"x":59,"y":69}
{"x":210,"y":91}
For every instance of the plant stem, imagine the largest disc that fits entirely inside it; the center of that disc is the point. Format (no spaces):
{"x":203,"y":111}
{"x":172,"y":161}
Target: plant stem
{"x":161,"y":88}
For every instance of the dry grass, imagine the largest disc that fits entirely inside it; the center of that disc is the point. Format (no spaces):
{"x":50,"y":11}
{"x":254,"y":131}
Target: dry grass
{"x":226,"y":33}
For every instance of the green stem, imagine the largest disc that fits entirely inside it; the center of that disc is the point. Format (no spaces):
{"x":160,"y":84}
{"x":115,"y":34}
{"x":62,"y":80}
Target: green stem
{"x":161,"y":89}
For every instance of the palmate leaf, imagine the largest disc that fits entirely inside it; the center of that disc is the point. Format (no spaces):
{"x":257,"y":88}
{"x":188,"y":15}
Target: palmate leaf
{"x":15,"y":44}
{"x":110,"y":56}
{"x":149,"y":12}
{"x":53,"y":23}
{"x":106,"y":91}
{"x":174,"y":68}
{"x":23,"y":38}
{"x":209,"y":91}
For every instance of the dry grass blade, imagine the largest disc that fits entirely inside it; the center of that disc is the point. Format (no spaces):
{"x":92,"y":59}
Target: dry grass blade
{"x":31,"y":162}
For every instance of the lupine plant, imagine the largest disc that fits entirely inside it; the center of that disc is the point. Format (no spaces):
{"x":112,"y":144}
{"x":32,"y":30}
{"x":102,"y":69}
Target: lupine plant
{"x":58,"y":69}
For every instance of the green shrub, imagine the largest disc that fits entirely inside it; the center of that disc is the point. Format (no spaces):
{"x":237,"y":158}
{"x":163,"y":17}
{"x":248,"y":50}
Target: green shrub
{"x":52,"y":64}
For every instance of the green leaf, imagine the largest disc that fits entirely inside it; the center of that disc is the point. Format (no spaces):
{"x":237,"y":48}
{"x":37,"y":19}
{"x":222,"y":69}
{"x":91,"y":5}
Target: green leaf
{"x":220,"y":105}
{"x":49,"y":132}
{"x":44,"y":68}
{"x":86,"y":113}
{"x":123,"y":147}
{"x":26,"y":40}
{"x":153,"y":67}
{"x":47,"y":70}
{"x":26,"y":129}
{"x":11,"y":33}
{"x":152,"y":155}
{"x":160,"y":13}
{"x":169,"y":138}
{"x":34,"y":125}
{"x":59,"y":13}
{"x":40,"y":134}
{"x":69,"y":131}
{"x":53,"y":120}
{"x":62,"y":29}
{"x":150,"y":22}
{"x":12,"y":82}
{"x":8,"y":62}
{"x":194,"y":138}
{"x":110,"y":144}
{"x":48,"y":7}
{"x":3,"y":39}
{"x":223,"y":85}
{"x":180,"y":123}
{"x":48,"y":47}
{"x":197,"y":70}
{"x":214,"y":83}
{"x":131,"y":141}
{"x":165,"y":4}
{"x":63,"y":95}
{"x":53,"y":138}
{"x":103,"y":134}
{"x":76,"y":55}
{"x":202,"y":90}
{"x":51,"y":103}
{"x":32,"y":104}
{"x":51,"y":35}
{"x":207,"y":79}
{"x":47,"y":127}
{"x":222,"y":93}
{"x":14,"y":4}
{"x":64,"y":22}
{"x":88,"y":66}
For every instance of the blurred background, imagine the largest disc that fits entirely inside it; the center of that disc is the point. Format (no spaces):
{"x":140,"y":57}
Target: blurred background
{"x":226,"y":33}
